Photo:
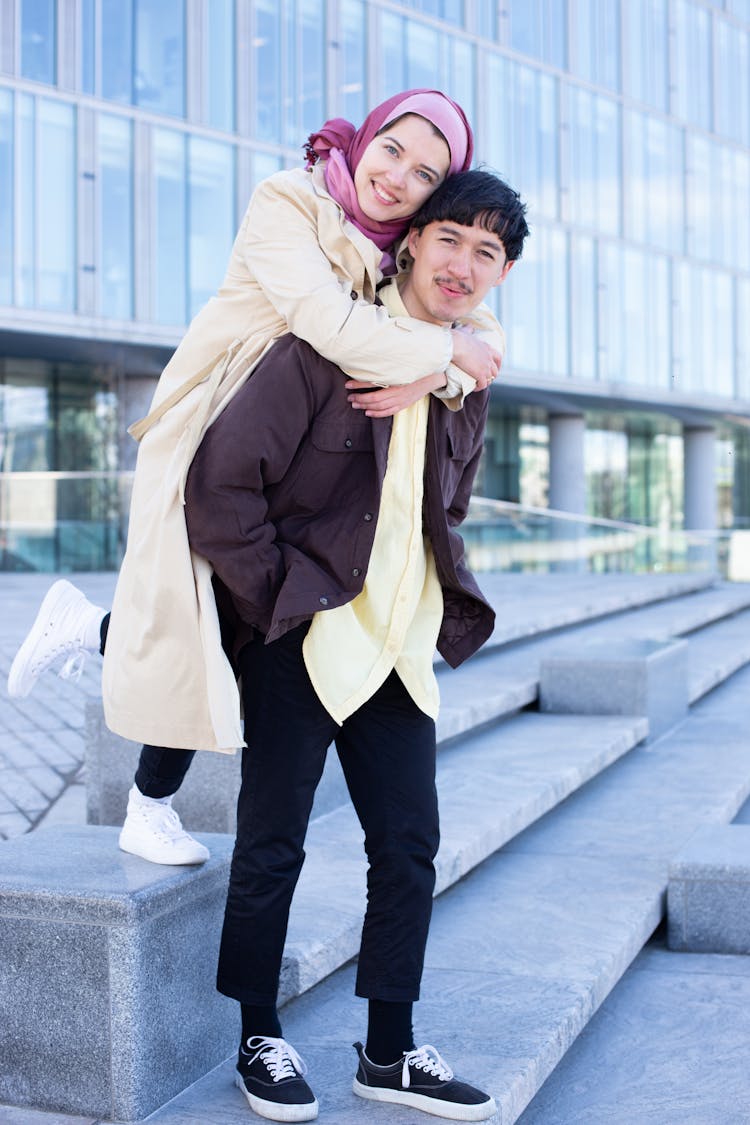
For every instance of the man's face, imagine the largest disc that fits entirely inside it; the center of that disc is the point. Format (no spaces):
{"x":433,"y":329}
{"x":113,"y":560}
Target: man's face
{"x":454,"y":269}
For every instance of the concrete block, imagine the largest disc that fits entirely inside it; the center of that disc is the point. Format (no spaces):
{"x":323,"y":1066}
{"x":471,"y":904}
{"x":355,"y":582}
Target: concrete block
{"x":108,"y":1004}
{"x":708,"y":897}
{"x":207,"y":799}
{"x":626,"y":677}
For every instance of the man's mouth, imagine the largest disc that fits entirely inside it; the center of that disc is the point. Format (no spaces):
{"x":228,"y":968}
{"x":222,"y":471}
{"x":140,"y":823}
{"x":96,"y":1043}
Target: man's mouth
{"x":453,"y":288}
{"x":383,"y":195}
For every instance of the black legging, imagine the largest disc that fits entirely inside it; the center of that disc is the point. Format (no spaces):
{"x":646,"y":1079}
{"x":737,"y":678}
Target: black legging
{"x":161,"y":769}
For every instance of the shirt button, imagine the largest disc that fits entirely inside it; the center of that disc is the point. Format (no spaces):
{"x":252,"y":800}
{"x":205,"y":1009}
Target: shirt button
{"x":348,"y":443}
{"x":356,"y":572}
{"x":323,"y":601}
{"x":368,"y":517}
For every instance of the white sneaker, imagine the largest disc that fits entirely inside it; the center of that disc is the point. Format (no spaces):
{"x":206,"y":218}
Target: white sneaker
{"x":67,"y":624}
{"x":153,"y":831}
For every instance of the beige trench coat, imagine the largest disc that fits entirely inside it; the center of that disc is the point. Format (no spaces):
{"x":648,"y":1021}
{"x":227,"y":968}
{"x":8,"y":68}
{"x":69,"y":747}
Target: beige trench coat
{"x":297,"y":265}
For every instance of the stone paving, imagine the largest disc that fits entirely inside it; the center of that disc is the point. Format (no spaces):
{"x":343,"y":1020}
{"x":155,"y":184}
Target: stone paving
{"x":41,"y":737}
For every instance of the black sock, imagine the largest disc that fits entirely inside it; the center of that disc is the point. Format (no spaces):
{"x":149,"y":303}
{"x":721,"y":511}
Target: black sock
{"x":389,"y":1031}
{"x":260,"y":1019}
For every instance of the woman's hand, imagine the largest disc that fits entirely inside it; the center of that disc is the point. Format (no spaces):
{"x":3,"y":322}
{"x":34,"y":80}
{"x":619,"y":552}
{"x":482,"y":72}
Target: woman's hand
{"x":383,"y":402}
{"x":476,"y":358}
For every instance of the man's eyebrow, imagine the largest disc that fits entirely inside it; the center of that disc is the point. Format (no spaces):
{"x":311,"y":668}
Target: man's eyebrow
{"x":493,"y":243}
{"x":397,"y":143}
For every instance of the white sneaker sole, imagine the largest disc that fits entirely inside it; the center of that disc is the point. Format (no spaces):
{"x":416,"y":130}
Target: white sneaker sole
{"x":272,"y":1111}
{"x":456,"y":1111}
{"x":25,"y":654}
{"x":154,"y":854}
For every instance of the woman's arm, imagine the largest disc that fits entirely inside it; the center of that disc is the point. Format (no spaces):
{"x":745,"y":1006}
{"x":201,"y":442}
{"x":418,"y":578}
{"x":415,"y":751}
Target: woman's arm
{"x":283,"y":253}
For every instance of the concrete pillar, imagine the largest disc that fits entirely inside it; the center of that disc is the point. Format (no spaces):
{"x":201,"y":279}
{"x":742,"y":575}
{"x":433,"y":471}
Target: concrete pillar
{"x":699,"y":444}
{"x":567,"y":476}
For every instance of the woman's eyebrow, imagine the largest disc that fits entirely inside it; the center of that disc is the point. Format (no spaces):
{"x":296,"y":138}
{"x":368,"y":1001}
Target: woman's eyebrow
{"x":397,"y":143}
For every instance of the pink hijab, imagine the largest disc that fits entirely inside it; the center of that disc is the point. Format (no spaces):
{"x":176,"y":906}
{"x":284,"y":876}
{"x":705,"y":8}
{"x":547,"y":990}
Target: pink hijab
{"x":341,"y":146}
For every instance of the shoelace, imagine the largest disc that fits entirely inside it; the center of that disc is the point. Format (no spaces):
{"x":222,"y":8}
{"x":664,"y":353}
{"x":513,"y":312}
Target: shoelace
{"x":425,"y":1058}
{"x":169,"y":826}
{"x":73,"y":666}
{"x":280,"y":1057}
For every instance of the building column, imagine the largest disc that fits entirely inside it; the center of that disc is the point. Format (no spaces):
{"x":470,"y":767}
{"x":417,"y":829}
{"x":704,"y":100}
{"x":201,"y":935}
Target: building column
{"x":567,"y":474}
{"x":699,"y":443}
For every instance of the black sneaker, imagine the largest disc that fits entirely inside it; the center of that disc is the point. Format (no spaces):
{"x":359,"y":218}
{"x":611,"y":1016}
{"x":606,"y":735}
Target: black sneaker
{"x":423,"y":1080}
{"x":270,"y":1076}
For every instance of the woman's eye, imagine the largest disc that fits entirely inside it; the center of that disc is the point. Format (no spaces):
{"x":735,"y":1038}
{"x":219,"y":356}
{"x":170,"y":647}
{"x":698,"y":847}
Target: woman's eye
{"x":424,"y":175}
{"x":392,"y":150}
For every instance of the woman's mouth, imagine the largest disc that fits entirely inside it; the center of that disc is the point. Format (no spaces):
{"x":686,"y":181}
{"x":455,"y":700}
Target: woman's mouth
{"x":382,"y":195}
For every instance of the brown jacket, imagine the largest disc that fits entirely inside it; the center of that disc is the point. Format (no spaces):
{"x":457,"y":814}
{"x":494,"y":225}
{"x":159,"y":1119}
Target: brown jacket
{"x":283,"y":494}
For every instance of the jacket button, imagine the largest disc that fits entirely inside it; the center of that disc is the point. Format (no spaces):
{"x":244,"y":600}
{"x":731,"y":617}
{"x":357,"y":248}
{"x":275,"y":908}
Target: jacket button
{"x":348,"y":443}
{"x":368,"y":517}
{"x":354,"y":296}
{"x":356,"y":572}
{"x":323,"y":601}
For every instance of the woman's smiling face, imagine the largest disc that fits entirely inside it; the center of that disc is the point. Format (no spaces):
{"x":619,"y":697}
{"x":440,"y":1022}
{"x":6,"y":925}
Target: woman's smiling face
{"x":400,"y":168}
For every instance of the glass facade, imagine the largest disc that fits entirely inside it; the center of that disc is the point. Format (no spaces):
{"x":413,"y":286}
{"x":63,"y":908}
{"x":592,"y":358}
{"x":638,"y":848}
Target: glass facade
{"x":133,"y":131}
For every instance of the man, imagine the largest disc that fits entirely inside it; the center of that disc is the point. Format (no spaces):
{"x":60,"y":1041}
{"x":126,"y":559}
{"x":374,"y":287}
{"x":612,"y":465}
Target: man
{"x":337,"y":566}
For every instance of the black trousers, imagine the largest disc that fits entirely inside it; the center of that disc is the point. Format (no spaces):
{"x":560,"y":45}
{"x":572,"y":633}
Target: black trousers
{"x":387,"y":752}
{"x":161,"y":770}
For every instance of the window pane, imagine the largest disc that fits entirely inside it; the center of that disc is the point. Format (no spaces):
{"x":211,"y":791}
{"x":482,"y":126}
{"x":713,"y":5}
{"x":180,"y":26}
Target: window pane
{"x":422,"y":47}
{"x":211,"y":194}
{"x":583,"y":307}
{"x":38,"y":40}
{"x":264,"y":165}
{"x":220,"y":76}
{"x":24,"y":204}
{"x":646,"y":51}
{"x":311,"y":67}
{"x":6,"y":198}
{"x":594,"y":195}
{"x":352,"y":61}
{"x":392,"y":75}
{"x":170,"y":228}
{"x":595,"y":45}
{"x":535,"y":306}
{"x":115,"y":216}
{"x":653,"y":192}
{"x":56,"y":216}
{"x":693,"y":63}
{"x":117,"y":50}
{"x":742,"y":320}
{"x":733,"y":83}
{"x":88,"y":46}
{"x":267,"y":70}
{"x":160,"y":55}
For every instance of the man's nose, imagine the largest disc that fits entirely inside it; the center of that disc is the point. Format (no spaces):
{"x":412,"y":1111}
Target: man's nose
{"x":460,"y":262}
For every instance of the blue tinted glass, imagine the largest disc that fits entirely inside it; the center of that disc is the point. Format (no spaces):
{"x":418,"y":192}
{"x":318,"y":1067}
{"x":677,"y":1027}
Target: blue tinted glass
{"x":263,"y":165}
{"x":160,"y":55}
{"x":733,"y":82}
{"x":392,"y":72}
{"x":6,"y":198}
{"x":583,"y":307}
{"x":693,"y":63}
{"x":88,"y":46}
{"x":211,"y":194}
{"x":115,"y":182}
{"x":485,"y":18}
{"x":170,"y":228}
{"x":56,"y":216}
{"x":24,"y":204}
{"x":117,"y":50}
{"x":352,"y":61}
{"x":461,"y":73}
{"x":310,"y":28}
{"x":646,"y":51}
{"x":525,"y":27}
{"x":595,"y":44}
{"x":422,"y":56}
{"x":219,"y":47}
{"x":267,"y":70}
{"x":38,"y":40}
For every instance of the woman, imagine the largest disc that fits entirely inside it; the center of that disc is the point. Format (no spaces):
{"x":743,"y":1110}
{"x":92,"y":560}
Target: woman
{"x":311,"y":249}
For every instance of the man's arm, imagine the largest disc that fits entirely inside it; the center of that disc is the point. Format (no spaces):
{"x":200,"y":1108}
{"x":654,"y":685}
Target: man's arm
{"x":249,"y":447}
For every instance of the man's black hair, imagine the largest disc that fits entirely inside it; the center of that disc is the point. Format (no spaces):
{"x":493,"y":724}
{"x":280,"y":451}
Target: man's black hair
{"x":479,"y":197}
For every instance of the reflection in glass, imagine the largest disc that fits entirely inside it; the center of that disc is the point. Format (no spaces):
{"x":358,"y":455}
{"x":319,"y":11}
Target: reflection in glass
{"x":211,"y":209}
{"x":421,"y":56}
{"x":646,"y":51}
{"x":692,"y":78}
{"x":219,"y":43}
{"x":117,"y":49}
{"x":38,"y":40}
{"x":733,"y":82}
{"x":392,"y":71}
{"x":115,"y":216}
{"x":24,"y":204}
{"x":6,"y":197}
{"x":310,"y":63}
{"x":594,"y":196}
{"x":263,"y":165}
{"x":352,"y":64}
{"x":538,"y":28}
{"x":56,"y":214}
{"x":535,"y":305}
{"x":595,"y":43}
{"x":170,"y":227}
{"x":583,"y":306}
{"x":88,"y":46}
{"x":266,"y":70}
{"x":704,"y":330}
{"x":742,"y":321}
{"x":653,"y":192}
{"x":160,"y":55}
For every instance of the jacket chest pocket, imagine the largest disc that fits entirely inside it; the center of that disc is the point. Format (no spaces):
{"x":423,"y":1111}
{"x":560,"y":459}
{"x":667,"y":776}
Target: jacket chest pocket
{"x":329,"y":474}
{"x":460,"y":445}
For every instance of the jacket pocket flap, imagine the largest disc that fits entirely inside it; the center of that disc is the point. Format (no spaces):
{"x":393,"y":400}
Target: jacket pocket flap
{"x":460,"y":445}
{"x":342,"y":437}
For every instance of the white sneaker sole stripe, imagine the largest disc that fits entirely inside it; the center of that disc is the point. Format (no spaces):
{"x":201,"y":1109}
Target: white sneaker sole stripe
{"x":272,"y":1111}
{"x":456,"y":1111}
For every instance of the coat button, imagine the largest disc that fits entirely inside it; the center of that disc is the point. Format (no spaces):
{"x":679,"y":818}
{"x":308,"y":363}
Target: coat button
{"x":323,"y":601}
{"x":356,"y":572}
{"x":354,"y":296}
{"x":368,"y":517}
{"x":348,"y":443}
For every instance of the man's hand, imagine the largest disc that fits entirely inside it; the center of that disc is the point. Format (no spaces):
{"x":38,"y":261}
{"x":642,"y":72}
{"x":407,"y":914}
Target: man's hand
{"x":383,"y":402}
{"x":476,"y":358}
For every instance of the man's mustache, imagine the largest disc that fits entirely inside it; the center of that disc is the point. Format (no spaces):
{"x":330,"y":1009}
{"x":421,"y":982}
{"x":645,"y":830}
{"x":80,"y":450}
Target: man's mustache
{"x":454,"y":283}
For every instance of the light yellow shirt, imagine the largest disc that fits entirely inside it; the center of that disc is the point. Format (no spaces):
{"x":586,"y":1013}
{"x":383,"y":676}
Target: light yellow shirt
{"x":394,"y":622}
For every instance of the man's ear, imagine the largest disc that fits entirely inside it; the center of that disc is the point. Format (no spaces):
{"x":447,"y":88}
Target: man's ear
{"x":504,"y":273}
{"x":413,"y":240}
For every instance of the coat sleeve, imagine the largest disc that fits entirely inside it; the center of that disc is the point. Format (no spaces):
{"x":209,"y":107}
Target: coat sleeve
{"x":226,"y":511}
{"x":459,"y":385}
{"x":280,"y":240}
